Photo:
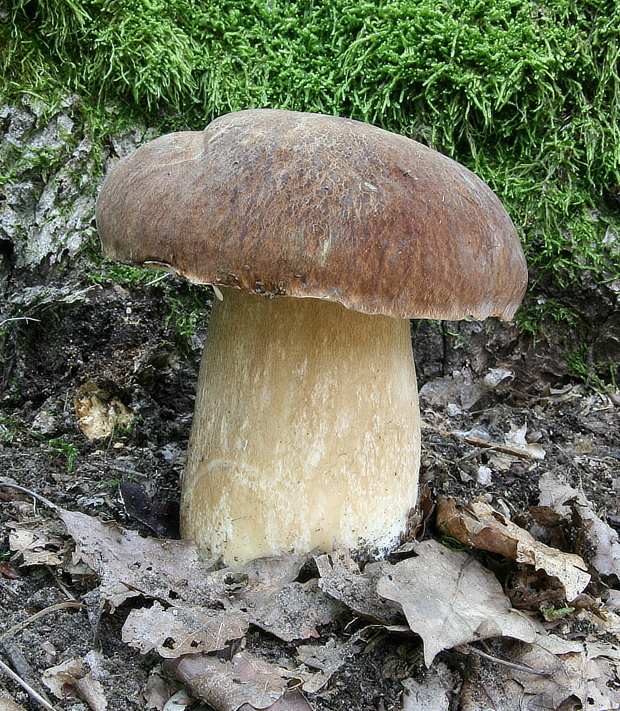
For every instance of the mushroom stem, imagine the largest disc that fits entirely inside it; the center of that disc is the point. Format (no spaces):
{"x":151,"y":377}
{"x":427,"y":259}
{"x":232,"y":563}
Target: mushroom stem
{"x":306,"y":430}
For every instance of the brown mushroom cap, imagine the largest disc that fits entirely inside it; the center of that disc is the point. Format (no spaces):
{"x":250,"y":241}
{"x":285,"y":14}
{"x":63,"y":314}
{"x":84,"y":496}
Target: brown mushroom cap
{"x":307,"y":205}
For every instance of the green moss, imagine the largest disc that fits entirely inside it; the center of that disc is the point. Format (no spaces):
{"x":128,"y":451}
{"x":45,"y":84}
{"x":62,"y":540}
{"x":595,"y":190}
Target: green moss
{"x":526,"y":94}
{"x":67,"y":449}
{"x":107,"y":270}
{"x":592,"y":368}
{"x":188,"y":312}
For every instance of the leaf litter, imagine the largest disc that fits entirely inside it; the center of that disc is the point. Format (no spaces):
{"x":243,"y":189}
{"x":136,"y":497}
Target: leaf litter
{"x":478,"y":524}
{"x":197,"y":615}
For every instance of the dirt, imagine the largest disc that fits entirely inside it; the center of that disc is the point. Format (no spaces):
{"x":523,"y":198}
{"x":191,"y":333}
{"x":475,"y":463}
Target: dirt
{"x":121,"y":339}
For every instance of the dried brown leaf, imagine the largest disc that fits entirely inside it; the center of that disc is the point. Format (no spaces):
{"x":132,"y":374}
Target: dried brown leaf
{"x":449,"y":599}
{"x":157,"y":691}
{"x":571,"y":670}
{"x":478,"y":524}
{"x":74,"y":672}
{"x":262,"y":592}
{"x":433,"y":694}
{"x":295,"y":611}
{"x":341,"y":578}
{"x":602,"y":537}
{"x":38,"y":542}
{"x":229,"y":685}
{"x":7,"y":703}
{"x":291,"y":701}
{"x":130,"y":565}
{"x":326,"y":658}
{"x":175,"y":631}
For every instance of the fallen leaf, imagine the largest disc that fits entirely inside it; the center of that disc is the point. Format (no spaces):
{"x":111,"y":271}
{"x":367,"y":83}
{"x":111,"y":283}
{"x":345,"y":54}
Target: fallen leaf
{"x":179,"y":701}
{"x":157,"y":691}
{"x":74,"y":672}
{"x":462,"y":391}
{"x":37,"y":542}
{"x":478,"y":524}
{"x":517,"y":438}
{"x":7,"y":703}
{"x":432,"y":694}
{"x":295,"y":611}
{"x":262,"y":592}
{"x":567,"y":670}
{"x":229,"y":685}
{"x":458,"y":603}
{"x":175,"y":631}
{"x":291,"y":701}
{"x":602,"y":537}
{"x":8,"y":571}
{"x":341,"y":578}
{"x":129,"y":564}
{"x":326,"y":658}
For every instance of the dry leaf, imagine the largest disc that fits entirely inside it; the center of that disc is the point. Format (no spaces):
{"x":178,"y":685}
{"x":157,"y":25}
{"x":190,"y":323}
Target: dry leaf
{"x":570,"y":670}
{"x":281,"y":606}
{"x":341,"y":578}
{"x":157,"y":691}
{"x":295,"y":611}
{"x":175,"y":631}
{"x":479,"y":525}
{"x":326,"y":658}
{"x":433,"y":694}
{"x":262,"y":592}
{"x":604,"y":539}
{"x":179,"y":701}
{"x":449,"y":599}
{"x":7,"y":703}
{"x":228,"y":685}
{"x":517,"y":438}
{"x":291,"y":701}
{"x":37,"y":542}
{"x":74,"y":673}
{"x":130,"y":565}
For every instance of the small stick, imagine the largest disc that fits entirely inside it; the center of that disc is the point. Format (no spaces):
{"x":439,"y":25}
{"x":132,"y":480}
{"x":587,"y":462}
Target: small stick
{"x":28,"y":492}
{"x":477,"y":442}
{"x":35,"y":695}
{"x":158,"y":279}
{"x":60,"y":584}
{"x":37,"y":615}
{"x":19,"y":318}
{"x":512,"y":665}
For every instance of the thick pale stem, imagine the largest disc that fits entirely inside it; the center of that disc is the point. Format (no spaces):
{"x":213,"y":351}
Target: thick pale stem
{"x":306,"y":430}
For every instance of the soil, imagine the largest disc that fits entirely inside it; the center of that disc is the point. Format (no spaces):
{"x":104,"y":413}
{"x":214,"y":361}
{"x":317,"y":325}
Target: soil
{"x":121,"y":339}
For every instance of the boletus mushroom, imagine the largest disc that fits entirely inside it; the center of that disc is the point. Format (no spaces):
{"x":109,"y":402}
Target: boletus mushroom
{"x":323,"y":236}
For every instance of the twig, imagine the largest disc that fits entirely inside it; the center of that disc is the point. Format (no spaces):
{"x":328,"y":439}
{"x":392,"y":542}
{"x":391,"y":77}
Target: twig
{"x":60,"y":584}
{"x":19,"y":318}
{"x":486,"y":444}
{"x":42,"y":613}
{"x":28,"y":492}
{"x":8,"y":589}
{"x":35,"y":695}
{"x":158,"y":279}
{"x":466,"y":648}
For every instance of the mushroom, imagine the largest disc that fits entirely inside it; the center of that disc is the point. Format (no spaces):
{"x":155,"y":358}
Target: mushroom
{"x":322,"y":237}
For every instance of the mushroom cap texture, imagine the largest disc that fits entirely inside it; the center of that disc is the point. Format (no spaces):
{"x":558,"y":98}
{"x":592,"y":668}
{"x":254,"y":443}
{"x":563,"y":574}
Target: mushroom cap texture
{"x":308,"y":205}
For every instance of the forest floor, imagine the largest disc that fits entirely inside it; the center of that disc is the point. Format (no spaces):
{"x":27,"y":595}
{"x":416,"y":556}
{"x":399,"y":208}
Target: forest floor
{"x":493,"y":440}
